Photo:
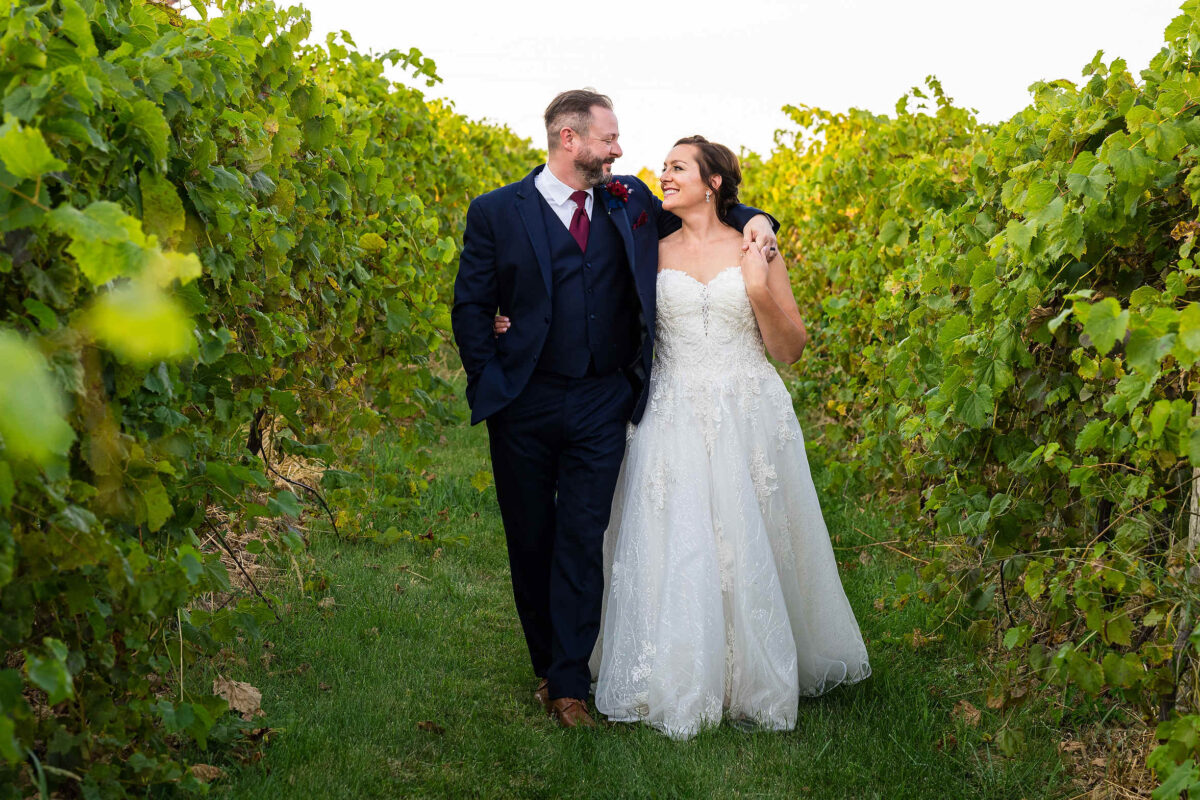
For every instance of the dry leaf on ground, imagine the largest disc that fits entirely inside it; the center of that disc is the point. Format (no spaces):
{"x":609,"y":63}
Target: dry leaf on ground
{"x":326,"y":602}
{"x":966,"y":712}
{"x":242,"y":697}
{"x":206,"y":772}
{"x":431,"y":727}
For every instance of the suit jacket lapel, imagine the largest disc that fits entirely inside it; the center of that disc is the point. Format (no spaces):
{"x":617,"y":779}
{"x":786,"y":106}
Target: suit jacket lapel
{"x":535,"y":226}
{"x":621,"y":220}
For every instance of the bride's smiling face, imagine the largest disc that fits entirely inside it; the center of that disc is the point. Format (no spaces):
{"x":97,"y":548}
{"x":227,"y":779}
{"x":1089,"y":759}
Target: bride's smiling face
{"x":682,"y":184}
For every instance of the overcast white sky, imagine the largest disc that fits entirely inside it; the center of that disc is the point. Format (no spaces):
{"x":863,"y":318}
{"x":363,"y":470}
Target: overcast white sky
{"x":724,"y":69}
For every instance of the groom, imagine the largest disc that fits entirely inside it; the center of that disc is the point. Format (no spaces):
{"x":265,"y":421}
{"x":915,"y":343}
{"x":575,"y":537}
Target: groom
{"x":571,"y":256}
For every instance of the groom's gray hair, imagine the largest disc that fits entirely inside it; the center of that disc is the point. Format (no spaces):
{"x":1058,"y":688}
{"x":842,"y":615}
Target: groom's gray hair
{"x":572,"y":109}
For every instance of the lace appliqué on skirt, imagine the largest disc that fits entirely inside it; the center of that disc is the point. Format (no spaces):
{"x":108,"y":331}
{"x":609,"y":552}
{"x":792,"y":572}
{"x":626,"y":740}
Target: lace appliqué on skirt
{"x":722,"y":591}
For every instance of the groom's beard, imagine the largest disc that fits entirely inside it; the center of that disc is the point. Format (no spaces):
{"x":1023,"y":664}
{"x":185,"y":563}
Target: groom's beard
{"x":594,"y":170}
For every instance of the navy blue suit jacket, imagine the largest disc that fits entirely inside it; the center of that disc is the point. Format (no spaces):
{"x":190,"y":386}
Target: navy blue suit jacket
{"x":505,"y":267}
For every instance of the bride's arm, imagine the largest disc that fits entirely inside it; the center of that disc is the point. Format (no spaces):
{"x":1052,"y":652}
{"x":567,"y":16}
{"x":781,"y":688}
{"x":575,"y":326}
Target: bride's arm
{"x":774,"y":305}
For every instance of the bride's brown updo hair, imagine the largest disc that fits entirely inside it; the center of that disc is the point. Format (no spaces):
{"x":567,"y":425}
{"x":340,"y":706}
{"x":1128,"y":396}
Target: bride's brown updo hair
{"x":717,"y":159}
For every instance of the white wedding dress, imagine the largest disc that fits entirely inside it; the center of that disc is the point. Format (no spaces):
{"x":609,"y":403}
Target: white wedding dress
{"x":722,"y":593}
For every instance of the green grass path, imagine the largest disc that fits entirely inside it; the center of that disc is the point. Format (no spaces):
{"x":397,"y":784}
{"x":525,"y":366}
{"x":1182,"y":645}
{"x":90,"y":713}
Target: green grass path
{"x":418,"y":685}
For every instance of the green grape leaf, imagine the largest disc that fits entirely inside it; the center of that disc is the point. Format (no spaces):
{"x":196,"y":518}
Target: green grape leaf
{"x":953,"y":329}
{"x":1117,"y":629}
{"x":1122,"y":671}
{"x":1103,"y":322}
{"x":1159,"y":415}
{"x":49,"y":672}
{"x":1086,"y":673}
{"x":285,"y":503}
{"x":1189,"y":327}
{"x":8,"y":489}
{"x":148,"y":121}
{"x":10,"y":748}
{"x":1130,"y":164}
{"x":1186,"y":776}
{"x":1091,"y":435}
{"x":1145,"y":351}
{"x":974,"y":404}
{"x":1035,"y":581}
{"x":162,"y":210}
{"x":77,"y":28}
{"x":1039,"y":195}
{"x":32,"y":408}
{"x":1089,"y":177}
{"x":106,"y":242}
{"x":24,"y":152}
{"x":156,"y":502}
{"x":1194,"y":448}
{"x":1020,"y":235}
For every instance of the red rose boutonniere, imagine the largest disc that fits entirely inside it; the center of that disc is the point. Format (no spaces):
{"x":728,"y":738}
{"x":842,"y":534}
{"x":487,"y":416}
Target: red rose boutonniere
{"x":618,"y":195}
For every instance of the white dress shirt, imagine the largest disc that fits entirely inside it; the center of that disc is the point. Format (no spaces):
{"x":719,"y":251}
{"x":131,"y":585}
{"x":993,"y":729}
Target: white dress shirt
{"x":558,"y":196}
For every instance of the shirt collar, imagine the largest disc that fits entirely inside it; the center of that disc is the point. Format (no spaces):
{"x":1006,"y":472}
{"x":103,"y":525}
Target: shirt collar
{"x":558,"y":191}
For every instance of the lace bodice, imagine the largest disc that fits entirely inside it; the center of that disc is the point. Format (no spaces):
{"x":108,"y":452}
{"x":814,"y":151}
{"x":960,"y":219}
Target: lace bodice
{"x":707,"y":331}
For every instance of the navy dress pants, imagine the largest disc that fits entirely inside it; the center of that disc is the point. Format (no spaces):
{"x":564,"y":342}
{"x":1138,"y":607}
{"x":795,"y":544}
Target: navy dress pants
{"x":556,"y":453}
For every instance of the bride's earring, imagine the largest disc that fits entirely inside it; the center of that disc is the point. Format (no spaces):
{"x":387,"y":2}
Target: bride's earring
{"x":707,"y":196}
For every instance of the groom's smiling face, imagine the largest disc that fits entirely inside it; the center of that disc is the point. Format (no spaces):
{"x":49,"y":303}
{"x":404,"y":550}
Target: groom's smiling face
{"x":598,"y":147}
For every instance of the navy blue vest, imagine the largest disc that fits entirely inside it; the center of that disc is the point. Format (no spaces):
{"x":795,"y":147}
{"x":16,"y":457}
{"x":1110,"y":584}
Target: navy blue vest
{"x":593,"y":327}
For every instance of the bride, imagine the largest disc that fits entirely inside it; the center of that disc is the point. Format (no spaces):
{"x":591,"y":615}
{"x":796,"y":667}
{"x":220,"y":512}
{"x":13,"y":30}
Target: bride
{"x":722,"y":596}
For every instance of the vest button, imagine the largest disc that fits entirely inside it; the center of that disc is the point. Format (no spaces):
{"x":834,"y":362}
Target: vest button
{"x":591,"y":316}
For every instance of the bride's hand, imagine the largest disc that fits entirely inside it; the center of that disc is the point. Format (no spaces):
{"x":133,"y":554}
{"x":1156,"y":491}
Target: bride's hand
{"x":754,"y":266}
{"x":500,"y":325}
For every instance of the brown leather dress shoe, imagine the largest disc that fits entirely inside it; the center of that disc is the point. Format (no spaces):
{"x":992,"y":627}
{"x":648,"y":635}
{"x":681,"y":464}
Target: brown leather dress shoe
{"x":571,"y":713}
{"x":542,"y":694}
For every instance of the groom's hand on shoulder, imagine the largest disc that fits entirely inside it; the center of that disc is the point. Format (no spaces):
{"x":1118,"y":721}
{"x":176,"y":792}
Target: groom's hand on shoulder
{"x":759,"y":231}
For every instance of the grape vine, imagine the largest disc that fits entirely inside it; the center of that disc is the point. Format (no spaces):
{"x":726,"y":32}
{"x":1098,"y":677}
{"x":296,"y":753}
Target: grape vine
{"x":204,"y":221}
{"x":1007,"y":327}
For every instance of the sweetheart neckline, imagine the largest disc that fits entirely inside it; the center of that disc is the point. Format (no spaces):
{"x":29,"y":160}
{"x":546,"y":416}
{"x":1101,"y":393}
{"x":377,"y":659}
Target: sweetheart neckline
{"x":697,"y":280}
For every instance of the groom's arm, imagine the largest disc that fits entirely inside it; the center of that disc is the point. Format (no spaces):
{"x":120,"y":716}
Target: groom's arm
{"x":739,"y":216}
{"x":475,"y":294}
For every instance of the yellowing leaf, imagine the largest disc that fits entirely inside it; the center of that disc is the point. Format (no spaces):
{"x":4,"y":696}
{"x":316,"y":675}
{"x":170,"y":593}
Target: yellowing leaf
{"x":141,"y":323}
{"x":166,"y":267}
{"x":481,"y":480}
{"x":371,"y":241}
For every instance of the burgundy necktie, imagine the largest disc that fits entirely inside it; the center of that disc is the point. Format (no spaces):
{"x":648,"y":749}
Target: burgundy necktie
{"x":579,"y":221}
